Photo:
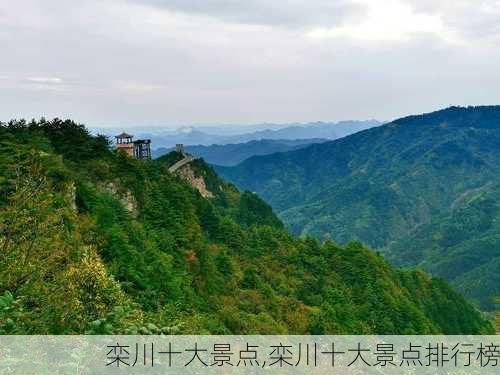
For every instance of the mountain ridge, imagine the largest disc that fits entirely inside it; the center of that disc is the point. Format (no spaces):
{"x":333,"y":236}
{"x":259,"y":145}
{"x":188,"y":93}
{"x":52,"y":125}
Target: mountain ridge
{"x":209,"y":136}
{"x":232,"y":154}
{"x":379,"y":184}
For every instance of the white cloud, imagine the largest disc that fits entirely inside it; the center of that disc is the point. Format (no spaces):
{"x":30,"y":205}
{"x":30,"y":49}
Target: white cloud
{"x":471,"y":19}
{"x":45,"y":80}
{"x":187,"y":61}
{"x":364,"y":19}
{"x":387,"y":20}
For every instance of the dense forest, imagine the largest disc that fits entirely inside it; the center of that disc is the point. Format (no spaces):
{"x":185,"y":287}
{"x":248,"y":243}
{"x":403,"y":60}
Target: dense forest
{"x":422,"y":189}
{"x":92,"y":241}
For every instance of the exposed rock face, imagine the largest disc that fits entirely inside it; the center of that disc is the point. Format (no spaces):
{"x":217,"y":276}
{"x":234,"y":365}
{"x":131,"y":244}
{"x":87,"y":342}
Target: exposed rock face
{"x":197,"y":182}
{"x":126,"y":197}
{"x":129,"y":203}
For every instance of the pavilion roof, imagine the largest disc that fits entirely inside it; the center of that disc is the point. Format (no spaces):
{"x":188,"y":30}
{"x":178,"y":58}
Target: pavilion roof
{"x":124,"y":135}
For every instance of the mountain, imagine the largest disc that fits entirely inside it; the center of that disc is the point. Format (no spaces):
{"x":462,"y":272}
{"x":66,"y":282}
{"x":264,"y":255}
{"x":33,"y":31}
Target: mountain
{"x":320,"y":129}
{"x":232,"y":154}
{"x":422,"y":189}
{"x":94,"y":241}
{"x":461,"y":245}
{"x":206,"y":136}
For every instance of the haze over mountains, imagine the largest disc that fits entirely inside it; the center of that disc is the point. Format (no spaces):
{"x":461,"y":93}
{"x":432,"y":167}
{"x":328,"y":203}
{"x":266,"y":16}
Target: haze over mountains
{"x":232,"y":154}
{"x":422,"y":189}
{"x":243,"y":133}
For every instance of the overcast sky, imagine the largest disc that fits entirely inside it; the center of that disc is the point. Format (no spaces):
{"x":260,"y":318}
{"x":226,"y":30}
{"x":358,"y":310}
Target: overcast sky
{"x":173,"y":62}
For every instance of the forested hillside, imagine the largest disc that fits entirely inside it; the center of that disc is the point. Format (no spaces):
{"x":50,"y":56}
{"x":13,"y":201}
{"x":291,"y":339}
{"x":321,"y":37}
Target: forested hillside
{"x":422,"y":189}
{"x":93,"y":241}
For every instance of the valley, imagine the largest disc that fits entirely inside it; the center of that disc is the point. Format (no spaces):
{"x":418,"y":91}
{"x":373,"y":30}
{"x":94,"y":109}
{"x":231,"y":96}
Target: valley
{"x":422,"y":190}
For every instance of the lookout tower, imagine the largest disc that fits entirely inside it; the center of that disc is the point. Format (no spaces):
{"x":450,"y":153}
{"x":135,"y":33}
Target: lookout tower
{"x":140,"y":149}
{"x":124,"y":143}
{"x":179,"y":148}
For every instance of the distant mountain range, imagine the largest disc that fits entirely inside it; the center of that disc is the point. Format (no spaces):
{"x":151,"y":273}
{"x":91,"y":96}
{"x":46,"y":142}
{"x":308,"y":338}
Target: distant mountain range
{"x":206,"y":136}
{"x":232,"y":154}
{"x":323,"y":130}
{"x":425,"y":190}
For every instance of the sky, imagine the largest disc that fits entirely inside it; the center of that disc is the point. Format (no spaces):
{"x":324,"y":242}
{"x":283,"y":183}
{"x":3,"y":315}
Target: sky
{"x":186,"y":62}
